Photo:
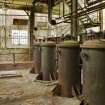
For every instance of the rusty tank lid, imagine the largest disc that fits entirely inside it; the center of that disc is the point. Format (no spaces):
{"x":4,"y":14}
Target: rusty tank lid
{"x":36,"y":44}
{"x":48,"y":44}
{"x":96,"y":43}
{"x":69,"y":43}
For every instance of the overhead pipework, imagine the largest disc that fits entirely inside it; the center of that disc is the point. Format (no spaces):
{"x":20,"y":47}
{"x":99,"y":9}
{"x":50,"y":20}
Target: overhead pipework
{"x":92,"y":2}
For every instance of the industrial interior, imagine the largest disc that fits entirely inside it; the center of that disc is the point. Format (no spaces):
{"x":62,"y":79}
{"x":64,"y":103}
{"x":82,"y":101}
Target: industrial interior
{"x":52,"y":52}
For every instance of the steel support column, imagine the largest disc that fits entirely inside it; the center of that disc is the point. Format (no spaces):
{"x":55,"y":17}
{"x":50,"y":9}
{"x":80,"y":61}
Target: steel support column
{"x":74,"y":19}
{"x":32,"y":21}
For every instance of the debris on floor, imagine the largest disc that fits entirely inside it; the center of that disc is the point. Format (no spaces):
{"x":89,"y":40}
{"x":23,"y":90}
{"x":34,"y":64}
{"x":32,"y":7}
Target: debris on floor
{"x":9,"y":74}
{"x":18,"y":91}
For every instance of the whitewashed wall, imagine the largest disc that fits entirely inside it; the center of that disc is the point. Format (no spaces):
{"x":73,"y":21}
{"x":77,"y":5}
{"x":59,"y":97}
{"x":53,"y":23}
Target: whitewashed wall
{"x":6,"y":23}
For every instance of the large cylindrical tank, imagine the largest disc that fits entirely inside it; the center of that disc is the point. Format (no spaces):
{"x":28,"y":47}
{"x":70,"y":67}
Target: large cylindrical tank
{"x":37,"y":57}
{"x":68,"y":67}
{"x":48,"y":60}
{"x":93,"y":55}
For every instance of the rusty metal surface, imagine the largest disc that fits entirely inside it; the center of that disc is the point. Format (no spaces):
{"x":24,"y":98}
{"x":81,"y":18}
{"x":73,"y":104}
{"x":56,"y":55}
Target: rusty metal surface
{"x":48,"y":61}
{"x":68,"y":68}
{"x":37,"y":57}
{"x":93,"y":75}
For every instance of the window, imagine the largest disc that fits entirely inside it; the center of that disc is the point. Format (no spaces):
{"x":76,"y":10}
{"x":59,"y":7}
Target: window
{"x":19,"y":37}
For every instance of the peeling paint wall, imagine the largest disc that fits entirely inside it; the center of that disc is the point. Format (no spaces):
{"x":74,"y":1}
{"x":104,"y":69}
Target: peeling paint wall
{"x":14,"y":56}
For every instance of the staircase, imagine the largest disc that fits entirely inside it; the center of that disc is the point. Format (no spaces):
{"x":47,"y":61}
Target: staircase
{"x":63,"y":30}
{"x":86,"y":21}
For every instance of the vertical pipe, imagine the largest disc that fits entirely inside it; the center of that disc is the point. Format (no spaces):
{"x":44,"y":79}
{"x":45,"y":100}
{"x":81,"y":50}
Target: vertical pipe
{"x":74,"y":20}
{"x":50,"y":8}
{"x":49,"y":11}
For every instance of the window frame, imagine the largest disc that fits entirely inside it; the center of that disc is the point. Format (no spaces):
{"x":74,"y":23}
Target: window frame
{"x":17,"y":40}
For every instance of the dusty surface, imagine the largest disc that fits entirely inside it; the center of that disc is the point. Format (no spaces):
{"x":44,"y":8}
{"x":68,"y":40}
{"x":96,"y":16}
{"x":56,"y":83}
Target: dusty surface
{"x":23,"y":91}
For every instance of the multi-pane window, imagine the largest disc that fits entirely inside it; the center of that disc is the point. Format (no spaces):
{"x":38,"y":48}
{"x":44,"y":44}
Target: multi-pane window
{"x":19,"y":37}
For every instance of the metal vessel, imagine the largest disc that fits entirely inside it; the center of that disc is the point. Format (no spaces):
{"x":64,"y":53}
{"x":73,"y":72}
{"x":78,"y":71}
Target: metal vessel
{"x":93,"y":55}
{"x":37,"y":57}
{"x":48,"y":60}
{"x":68,"y":67}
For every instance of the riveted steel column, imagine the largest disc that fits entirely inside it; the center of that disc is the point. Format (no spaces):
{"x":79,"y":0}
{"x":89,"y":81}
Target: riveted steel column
{"x":74,"y":19}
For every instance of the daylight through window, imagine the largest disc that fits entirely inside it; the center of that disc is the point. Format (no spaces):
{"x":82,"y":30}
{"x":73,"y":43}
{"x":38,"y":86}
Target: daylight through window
{"x":19,"y":37}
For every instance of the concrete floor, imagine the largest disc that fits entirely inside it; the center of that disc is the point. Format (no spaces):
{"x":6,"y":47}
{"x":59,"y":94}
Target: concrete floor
{"x":23,"y":91}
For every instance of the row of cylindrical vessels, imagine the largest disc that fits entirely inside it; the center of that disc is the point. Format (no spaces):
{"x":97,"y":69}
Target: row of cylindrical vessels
{"x":45,"y":59}
{"x":64,"y":58}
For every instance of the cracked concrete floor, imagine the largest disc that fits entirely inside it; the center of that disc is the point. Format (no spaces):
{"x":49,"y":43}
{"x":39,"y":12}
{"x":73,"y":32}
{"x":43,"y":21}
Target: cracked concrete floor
{"x":23,"y":91}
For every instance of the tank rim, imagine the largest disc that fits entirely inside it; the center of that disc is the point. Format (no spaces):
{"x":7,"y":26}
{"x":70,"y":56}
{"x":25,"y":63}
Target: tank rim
{"x":96,"y":43}
{"x":48,"y":44}
{"x":36,"y":44}
{"x":69,"y":43}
